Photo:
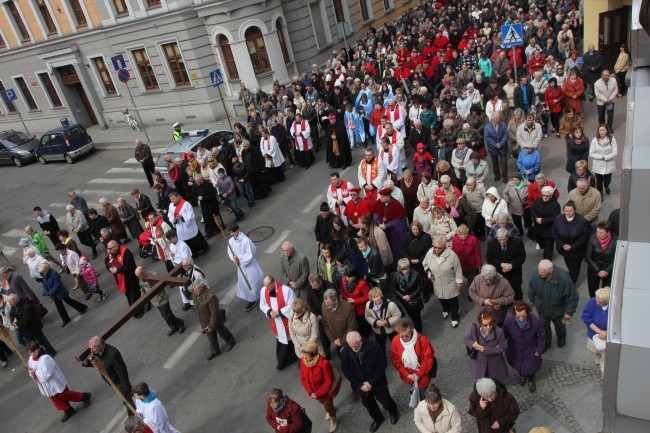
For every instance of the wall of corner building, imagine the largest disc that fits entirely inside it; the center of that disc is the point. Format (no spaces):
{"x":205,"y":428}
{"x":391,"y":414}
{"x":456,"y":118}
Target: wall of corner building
{"x":591,"y":17}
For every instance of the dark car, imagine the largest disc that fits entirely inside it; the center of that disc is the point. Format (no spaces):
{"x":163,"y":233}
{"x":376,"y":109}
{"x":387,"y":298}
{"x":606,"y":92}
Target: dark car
{"x":17,"y":148}
{"x":189,"y":144}
{"x":64,"y":144}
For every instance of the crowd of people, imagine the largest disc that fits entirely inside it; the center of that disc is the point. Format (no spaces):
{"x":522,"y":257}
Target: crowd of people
{"x":428,"y":97}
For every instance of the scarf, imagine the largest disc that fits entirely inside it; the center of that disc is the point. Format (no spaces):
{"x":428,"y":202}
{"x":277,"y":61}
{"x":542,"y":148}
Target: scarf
{"x":311,"y":363}
{"x":366,"y":252}
{"x":409,"y":357}
{"x":520,"y":323}
{"x":604,"y":242}
{"x":434,"y":415}
{"x":350,"y":285}
{"x":460,"y":154}
{"x":342,"y":269}
{"x":454,"y":210}
{"x":151,"y":397}
{"x":521,"y":185}
{"x":282,"y":405}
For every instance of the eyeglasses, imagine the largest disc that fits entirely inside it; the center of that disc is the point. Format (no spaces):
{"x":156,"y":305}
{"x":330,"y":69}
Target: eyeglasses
{"x":488,"y":325}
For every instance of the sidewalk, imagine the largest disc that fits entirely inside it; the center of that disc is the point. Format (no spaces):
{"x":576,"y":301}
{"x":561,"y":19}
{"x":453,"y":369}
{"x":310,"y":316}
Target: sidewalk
{"x":160,"y":136}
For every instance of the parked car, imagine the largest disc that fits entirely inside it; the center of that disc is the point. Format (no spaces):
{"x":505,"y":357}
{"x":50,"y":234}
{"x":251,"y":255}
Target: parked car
{"x":64,"y":144}
{"x":190,"y":144}
{"x":17,"y":148}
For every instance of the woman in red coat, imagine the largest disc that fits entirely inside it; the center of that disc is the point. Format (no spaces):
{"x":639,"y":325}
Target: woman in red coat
{"x":536,"y":62}
{"x":355,"y":291}
{"x":468,"y":250}
{"x":412,"y":355}
{"x":320,"y":380}
{"x":574,"y":88}
{"x":283,"y":414}
{"x":554,"y":99}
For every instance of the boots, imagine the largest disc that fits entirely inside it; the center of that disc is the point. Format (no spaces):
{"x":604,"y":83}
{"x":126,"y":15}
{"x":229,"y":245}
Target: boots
{"x":334,"y":423}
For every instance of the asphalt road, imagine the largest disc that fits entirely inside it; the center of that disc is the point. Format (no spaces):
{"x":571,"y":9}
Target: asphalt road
{"x":228,"y":394}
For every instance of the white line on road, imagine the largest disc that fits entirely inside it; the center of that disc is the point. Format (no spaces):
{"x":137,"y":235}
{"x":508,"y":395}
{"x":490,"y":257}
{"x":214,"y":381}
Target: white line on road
{"x":124,"y":170}
{"x":111,"y":424}
{"x":274,"y":246}
{"x":184,"y":347}
{"x":119,"y":181}
{"x":58,"y":204}
{"x":99,"y":192}
{"x":131,"y":161}
{"x":229,"y":295}
{"x":11,"y":251}
{"x":313,"y":203}
{"x":15,"y":233}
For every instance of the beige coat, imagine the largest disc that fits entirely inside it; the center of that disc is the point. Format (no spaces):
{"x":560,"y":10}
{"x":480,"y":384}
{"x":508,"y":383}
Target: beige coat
{"x":302,"y":330}
{"x":587,"y":205}
{"x":392,"y":315}
{"x":445,"y":273}
{"x":445,"y":227}
{"x":449,"y":420}
{"x":382,"y":245}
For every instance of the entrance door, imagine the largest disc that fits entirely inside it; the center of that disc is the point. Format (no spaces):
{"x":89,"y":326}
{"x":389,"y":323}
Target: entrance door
{"x":613,"y":32}
{"x":71,"y":80}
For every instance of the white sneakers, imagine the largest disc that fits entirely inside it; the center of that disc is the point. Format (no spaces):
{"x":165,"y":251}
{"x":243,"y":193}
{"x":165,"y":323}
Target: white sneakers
{"x":537,"y":247}
{"x":445,"y":314}
{"x":454,"y":324}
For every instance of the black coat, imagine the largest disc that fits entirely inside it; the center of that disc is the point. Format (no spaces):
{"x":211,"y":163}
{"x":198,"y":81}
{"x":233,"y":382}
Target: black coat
{"x":466,"y":215}
{"x":97,"y":224}
{"x":323,"y":229}
{"x":209,"y":203}
{"x":574,"y":233}
{"x":413,"y":287}
{"x":115,"y":366}
{"x":416,"y":137}
{"x":344,"y":158}
{"x":144,"y":206}
{"x":593,"y":60}
{"x":599,"y":260}
{"x":614,"y":219}
{"x":27,"y":319}
{"x":373,"y":369}
{"x":19,"y":287}
{"x":131,"y":282}
{"x":375,"y":265}
{"x":416,"y":248}
{"x":515,"y":254}
{"x":547,"y":211}
{"x":519,"y":96}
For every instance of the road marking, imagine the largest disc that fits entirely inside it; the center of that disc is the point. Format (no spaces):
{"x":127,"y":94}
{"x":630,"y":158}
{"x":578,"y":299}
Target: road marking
{"x":312,"y":203}
{"x":229,"y":295}
{"x":11,"y":251}
{"x":111,"y":424}
{"x":274,"y":246}
{"x":124,"y":170}
{"x":15,"y":233}
{"x":119,"y":181}
{"x":58,"y":204}
{"x":131,"y":161}
{"x":184,"y":347}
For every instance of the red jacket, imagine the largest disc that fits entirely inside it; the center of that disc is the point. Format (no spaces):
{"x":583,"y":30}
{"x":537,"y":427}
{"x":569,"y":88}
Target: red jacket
{"x":439,"y":197}
{"x":518,"y":54}
{"x":425,"y":354}
{"x":290,"y":413}
{"x":174,"y":172}
{"x":536,"y":64}
{"x":319,"y":379}
{"x":551,"y":95}
{"x":534,"y":193}
{"x":468,"y":252}
{"x":359,"y":295}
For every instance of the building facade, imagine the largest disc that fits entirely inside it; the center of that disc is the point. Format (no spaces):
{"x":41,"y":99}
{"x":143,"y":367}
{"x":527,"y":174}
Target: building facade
{"x":61,"y":57}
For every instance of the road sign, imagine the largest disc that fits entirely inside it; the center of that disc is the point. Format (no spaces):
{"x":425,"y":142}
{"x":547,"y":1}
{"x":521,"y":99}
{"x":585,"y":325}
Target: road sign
{"x":123,"y":75}
{"x":512,"y":35}
{"x":217,"y":79}
{"x":118,"y":62}
{"x":10,"y":95}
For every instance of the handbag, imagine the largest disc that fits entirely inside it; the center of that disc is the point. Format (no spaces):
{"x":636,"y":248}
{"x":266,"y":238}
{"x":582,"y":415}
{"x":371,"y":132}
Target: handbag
{"x":471,"y":351}
{"x":533,"y":234}
{"x":223,"y":314}
{"x":41,"y":310}
{"x":306,"y":422}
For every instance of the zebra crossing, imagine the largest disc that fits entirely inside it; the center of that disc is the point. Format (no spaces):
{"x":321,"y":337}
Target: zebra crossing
{"x":113,"y":183}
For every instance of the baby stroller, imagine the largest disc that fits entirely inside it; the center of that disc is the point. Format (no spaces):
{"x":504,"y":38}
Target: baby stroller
{"x":147,"y":247}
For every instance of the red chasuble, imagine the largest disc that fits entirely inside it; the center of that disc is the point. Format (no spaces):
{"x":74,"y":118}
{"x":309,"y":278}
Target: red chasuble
{"x":386,"y":213}
{"x":355,"y":211}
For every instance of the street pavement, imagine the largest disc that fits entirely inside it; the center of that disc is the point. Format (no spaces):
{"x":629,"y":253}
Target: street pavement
{"x":228,"y":394}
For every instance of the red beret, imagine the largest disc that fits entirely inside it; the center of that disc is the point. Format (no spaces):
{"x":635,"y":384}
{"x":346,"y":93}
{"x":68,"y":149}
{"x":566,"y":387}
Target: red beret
{"x":386,"y":191}
{"x":355,"y":189}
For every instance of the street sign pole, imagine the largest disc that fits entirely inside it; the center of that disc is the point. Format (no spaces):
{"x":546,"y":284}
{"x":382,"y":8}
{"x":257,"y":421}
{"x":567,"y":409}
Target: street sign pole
{"x":21,"y":119}
{"x":224,"y":107}
{"x":144,"y":128}
{"x":514,"y":59}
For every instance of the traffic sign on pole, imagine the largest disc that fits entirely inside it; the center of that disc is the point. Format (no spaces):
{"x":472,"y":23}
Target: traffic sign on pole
{"x":512,"y":35}
{"x":217,"y":79}
{"x":123,"y":75}
{"x":118,"y":62}
{"x":10,"y":95}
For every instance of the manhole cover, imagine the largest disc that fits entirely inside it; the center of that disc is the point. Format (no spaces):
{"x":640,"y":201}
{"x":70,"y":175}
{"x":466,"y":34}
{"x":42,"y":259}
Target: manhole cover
{"x":260,"y":234}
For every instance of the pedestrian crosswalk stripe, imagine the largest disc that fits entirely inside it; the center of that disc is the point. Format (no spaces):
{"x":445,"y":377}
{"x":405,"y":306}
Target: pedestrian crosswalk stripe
{"x":131,"y":161}
{"x":10,"y":251}
{"x":182,"y":349}
{"x":124,"y":170}
{"x":101,"y":193}
{"x":15,"y":233}
{"x":274,"y":246}
{"x":120,"y":181}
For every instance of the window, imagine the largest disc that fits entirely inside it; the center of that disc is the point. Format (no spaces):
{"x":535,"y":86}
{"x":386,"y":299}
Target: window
{"x":120,"y":8}
{"x":78,"y":13}
{"x":365,"y":10}
{"x":153,"y":3}
{"x":283,"y":42}
{"x":104,"y":75}
{"x":2,"y":43}
{"x":18,"y":20}
{"x":47,"y":18}
{"x":338,"y":11}
{"x":176,"y":64}
{"x":228,"y":59}
{"x":10,"y":104}
{"x":50,"y":90}
{"x":318,"y":18}
{"x":147,"y":74}
{"x":27,"y":94}
{"x":257,"y":50}
{"x":388,"y":5}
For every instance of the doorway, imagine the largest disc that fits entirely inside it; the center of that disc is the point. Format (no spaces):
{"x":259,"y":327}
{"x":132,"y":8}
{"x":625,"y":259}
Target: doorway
{"x":613,"y":31}
{"x":71,"y":81}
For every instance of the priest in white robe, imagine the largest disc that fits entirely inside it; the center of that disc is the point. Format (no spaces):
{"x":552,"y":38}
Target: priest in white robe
{"x":181,"y":214}
{"x":275,"y":303}
{"x":273,"y":157}
{"x":242,"y":252}
{"x":151,"y":409}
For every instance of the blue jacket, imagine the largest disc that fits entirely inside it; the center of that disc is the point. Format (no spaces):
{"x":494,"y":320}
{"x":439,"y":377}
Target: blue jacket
{"x":529,"y":161}
{"x":494,"y":137}
{"x":594,"y":313}
{"x":53,"y":285}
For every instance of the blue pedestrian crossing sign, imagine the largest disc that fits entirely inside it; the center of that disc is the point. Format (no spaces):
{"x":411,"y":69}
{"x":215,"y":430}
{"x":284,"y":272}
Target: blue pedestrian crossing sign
{"x":512,"y":35}
{"x":10,"y":95}
{"x":217,"y":79}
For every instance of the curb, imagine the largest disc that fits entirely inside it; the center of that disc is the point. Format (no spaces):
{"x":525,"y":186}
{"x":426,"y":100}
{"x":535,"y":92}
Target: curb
{"x":124,"y":146}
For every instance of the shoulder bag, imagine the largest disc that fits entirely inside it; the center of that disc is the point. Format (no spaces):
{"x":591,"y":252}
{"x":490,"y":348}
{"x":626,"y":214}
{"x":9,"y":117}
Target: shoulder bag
{"x":471,"y":351}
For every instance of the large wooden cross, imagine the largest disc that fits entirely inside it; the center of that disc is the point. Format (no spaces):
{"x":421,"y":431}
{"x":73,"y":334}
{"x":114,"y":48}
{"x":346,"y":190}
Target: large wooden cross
{"x":159,"y":283}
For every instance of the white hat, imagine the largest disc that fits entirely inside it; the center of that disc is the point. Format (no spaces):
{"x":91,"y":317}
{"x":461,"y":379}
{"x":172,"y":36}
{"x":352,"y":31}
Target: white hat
{"x":176,"y":125}
{"x":24,"y":242}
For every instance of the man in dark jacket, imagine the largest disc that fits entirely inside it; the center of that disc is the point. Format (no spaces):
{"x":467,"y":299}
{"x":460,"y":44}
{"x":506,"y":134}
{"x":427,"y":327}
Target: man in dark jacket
{"x":206,"y":194}
{"x":16,"y":285}
{"x":96,"y":223}
{"x":114,"y":365}
{"x":48,"y":224}
{"x":24,"y":315}
{"x":121,"y":263}
{"x":323,"y":229}
{"x":507,"y":254}
{"x":254,"y":163}
{"x":376,"y":276}
{"x":143,"y":156}
{"x":524,"y":95}
{"x":594,"y":65}
{"x":571,"y":234}
{"x":601,"y":249}
{"x":555,"y":297}
{"x":142,"y":203}
{"x":419,"y":133}
{"x":363,"y":363}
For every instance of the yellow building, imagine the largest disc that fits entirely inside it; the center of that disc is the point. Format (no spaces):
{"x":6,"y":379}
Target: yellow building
{"x":607,"y":25}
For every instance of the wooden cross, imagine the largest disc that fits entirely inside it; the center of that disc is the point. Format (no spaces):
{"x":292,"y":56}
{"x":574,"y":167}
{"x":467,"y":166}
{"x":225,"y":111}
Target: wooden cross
{"x":159,"y":283}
